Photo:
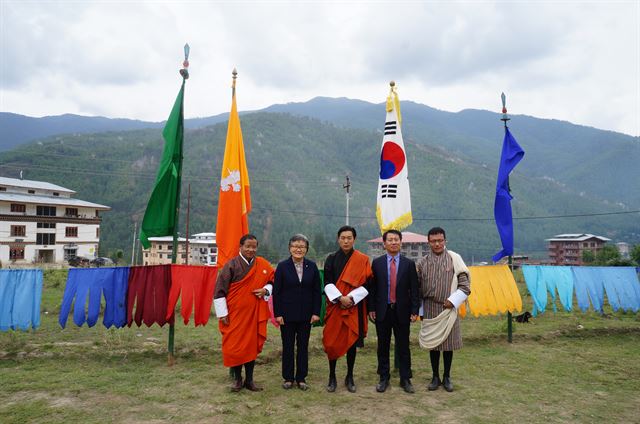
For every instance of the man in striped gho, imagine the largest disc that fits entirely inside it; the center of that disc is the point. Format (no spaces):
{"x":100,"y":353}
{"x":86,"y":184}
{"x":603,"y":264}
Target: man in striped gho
{"x":444,"y":286}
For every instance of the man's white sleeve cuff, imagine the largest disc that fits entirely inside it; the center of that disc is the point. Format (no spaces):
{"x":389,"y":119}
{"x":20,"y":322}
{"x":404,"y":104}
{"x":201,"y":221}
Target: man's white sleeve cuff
{"x":332,"y":292}
{"x":358,"y":294}
{"x":269,"y":288}
{"x":220,"y":305}
{"x":457,"y":298}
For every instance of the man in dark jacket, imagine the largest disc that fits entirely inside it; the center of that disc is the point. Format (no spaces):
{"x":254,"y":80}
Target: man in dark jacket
{"x":393,"y":303}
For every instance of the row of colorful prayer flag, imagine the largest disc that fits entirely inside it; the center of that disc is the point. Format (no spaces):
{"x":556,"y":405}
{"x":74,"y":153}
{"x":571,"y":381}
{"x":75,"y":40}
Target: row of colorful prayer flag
{"x":588,"y":284}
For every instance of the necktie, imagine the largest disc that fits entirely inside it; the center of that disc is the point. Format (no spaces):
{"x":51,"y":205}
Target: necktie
{"x":392,"y":281}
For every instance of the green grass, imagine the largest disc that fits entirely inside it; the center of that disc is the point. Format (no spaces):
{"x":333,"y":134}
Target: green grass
{"x":562,"y":367}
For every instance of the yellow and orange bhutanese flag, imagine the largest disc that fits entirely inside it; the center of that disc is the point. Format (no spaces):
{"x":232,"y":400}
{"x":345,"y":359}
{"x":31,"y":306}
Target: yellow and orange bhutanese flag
{"x":234,"y":201}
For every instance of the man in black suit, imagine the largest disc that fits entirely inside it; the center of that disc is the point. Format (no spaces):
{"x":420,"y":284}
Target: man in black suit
{"x":296,"y":305}
{"x":394,"y":303}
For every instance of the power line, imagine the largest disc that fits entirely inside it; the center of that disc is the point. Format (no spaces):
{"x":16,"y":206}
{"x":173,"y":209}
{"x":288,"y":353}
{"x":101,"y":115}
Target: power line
{"x":296,"y":212}
{"x":153,"y":176}
{"x":336,"y":184}
{"x":131,"y":162}
{"x":87,"y":156}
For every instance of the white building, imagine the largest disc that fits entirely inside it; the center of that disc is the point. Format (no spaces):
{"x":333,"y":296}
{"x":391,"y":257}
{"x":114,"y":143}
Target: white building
{"x":161,"y":251}
{"x":624,"y":249}
{"x":41,"y":222}
{"x":202,"y":250}
{"x":414,"y":246}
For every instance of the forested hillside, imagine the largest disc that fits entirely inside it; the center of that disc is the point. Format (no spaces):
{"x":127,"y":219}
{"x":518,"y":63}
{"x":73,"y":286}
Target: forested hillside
{"x":297,"y":166}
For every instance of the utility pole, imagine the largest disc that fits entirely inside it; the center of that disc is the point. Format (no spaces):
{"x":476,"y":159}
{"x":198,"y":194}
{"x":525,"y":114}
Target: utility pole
{"x":347,"y":186}
{"x":133,"y":245}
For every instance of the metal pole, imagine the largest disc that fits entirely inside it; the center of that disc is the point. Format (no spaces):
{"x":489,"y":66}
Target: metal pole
{"x":347,"y":186}
{"x":136,"y":247}
{"x":504,"y":119}
{"x":133,"y":245}
{"x":184,"y":72}
{"x":186,"y":245}
{"x":509,"y":316}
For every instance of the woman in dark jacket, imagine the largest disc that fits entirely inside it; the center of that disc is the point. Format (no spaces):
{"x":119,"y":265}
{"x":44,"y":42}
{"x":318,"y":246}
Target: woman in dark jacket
{"x":296,"y":305}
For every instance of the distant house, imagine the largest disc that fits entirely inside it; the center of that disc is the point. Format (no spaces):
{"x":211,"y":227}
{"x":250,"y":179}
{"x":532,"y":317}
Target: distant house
{"x":624,"y":249}
{"x":202,"y":250}
{"x":41,"y":222}
{"x":567,"y":249}
{"x":161,"y":251}
{"x":414,"y":246}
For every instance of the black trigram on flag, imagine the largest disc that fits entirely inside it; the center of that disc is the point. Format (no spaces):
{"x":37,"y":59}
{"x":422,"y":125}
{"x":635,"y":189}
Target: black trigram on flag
{"x":389,"y":127}
{"x":389,"y":190}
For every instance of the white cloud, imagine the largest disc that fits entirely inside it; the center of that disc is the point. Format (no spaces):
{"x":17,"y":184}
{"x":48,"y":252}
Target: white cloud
{"x":577,"y":61}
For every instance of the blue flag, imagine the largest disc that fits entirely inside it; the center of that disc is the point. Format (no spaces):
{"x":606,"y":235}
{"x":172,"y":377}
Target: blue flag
{"x":512,"y":153}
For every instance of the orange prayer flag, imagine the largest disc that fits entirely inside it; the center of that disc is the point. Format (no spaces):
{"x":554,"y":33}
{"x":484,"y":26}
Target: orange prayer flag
{"x":234,"y":201}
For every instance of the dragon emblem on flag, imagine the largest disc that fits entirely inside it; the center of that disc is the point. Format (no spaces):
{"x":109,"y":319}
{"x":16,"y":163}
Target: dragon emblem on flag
{"x":231,"y":181}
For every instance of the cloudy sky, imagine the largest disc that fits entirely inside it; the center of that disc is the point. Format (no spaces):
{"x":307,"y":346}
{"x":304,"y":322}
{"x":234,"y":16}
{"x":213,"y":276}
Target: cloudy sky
{"x":571,"y":60}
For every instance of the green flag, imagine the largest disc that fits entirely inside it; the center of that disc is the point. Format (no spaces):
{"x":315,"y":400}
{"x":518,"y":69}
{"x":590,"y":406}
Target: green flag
{"x":160,"y":218}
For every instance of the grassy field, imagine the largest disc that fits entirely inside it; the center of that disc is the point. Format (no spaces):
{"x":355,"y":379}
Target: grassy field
{"x":562,"y":367}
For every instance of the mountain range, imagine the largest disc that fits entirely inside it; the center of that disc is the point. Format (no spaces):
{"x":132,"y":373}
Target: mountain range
{"x":298,"y":155}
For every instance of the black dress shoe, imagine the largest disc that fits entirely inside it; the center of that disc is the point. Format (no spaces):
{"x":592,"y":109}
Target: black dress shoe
{"x":250,"y":385}
{"x":287,"y":385}
{"x":447,"y":384}
{"x":237,"y":385}
{"x":331,"y":386}
{"x":407,"y":386}
{"x":435,"y":383}
{"x":382,"y":385}
{"x":351,"y":386}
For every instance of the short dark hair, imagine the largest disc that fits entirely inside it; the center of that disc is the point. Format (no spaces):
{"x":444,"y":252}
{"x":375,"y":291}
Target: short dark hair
{"x":299,"y":237}
{"x":247,"y":237}
{"x":392,"y":231}
{"x":347,"y":228}
{"x":436,"y":230}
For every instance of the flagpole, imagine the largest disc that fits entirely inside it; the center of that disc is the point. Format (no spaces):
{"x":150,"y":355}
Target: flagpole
{"x":184,"y":72}
{"x":186,"y":242}
{"x":504,"y":119}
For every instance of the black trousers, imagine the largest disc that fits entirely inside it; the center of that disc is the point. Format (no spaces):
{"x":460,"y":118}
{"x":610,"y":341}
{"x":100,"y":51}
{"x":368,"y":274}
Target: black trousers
{"x":401,"y":335}
{"x":295,"y":335}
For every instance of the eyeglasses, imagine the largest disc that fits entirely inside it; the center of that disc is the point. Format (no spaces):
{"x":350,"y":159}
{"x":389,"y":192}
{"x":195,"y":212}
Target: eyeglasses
{"x":294,"y":247}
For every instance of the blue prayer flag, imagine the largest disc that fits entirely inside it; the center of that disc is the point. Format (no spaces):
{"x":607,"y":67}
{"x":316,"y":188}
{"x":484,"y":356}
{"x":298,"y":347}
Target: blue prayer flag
{"x":512,"y":153}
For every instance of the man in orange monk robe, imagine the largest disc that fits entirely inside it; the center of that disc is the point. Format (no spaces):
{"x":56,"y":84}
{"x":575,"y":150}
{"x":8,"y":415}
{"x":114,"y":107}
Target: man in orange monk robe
{"x":239,"y":300}
{"x":346,"y":274}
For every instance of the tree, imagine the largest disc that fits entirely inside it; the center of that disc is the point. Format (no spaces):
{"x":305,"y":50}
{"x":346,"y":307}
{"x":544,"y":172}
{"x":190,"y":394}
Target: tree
{"x":117,"y":256}
{"x":588,"y":257}
{"x":620,"y":262}
{"x":635,"y":254}
{"x":606,"y":254}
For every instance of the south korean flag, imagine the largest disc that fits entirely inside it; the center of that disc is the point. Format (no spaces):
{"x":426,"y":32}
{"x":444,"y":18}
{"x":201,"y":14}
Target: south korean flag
{"x":394,"y":198}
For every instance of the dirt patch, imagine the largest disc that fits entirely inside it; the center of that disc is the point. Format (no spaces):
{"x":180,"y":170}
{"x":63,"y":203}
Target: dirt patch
{"x":53,"y":401}
{"x":62,"y":402}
